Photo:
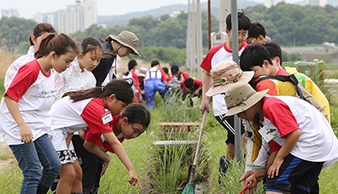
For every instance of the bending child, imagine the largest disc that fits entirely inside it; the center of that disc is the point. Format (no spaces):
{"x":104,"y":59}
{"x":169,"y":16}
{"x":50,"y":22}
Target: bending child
{"x":129,"y":124}
{"x":304,"y":138}
{"x":86,"y":109}
{"x":25,"y":112}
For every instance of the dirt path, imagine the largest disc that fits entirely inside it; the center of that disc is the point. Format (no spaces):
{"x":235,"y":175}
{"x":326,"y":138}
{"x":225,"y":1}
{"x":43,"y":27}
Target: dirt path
{"x":4,"y":162}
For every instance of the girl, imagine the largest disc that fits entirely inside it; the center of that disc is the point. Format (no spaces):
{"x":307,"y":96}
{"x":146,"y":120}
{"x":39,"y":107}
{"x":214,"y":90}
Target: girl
{"x":40,"y":32}
{"x":86,"y":109}
{"x":25,"y":112}
{"x":130,"y":124}
{"x":79,"y":77}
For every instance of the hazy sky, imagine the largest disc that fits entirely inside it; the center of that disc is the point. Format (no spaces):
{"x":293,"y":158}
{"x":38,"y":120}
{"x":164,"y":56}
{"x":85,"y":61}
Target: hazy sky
{"x":26,"y":8}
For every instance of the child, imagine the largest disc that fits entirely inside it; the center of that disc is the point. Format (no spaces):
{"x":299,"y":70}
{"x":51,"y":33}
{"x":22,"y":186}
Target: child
{"x":192,"y":87}
{"x":132,"y":64}
{"x":86,"y":109}
{"x":178,"y":76}
{"x":25,"y":112}
{"x":40,"y":31}
{"x":306,"y":141}
{"x":166,"y":71}
{"x":256,"y":34}
{"x":121,"y":45}
{"x":141,"y":74}
{"x":129,"y":124}
{"x":79,"y":77}
{"x":218,"y":54}
{"x":154,"y":81}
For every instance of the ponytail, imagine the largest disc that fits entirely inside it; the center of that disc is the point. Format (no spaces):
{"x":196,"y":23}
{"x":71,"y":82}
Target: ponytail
{"x":60,"y":44}
{"x":121,"y":89}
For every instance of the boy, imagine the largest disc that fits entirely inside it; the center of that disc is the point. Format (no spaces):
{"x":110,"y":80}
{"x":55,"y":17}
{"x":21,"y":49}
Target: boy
{"x":256,"y":34}
{"x":178,"y":76}
{"x":218,"y":54}
{"x":276,"y":57}
{"x":154,"y":81}
{"x":306,"y":141}
{"x":192,"y":87}
{"x":251,"y":58}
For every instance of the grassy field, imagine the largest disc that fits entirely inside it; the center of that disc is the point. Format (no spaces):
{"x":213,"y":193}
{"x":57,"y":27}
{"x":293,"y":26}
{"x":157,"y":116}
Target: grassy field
{"x":165,"y":169}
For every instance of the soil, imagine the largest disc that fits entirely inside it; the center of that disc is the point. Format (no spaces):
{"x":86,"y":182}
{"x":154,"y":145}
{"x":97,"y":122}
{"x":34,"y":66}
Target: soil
{"x":5,"y":162}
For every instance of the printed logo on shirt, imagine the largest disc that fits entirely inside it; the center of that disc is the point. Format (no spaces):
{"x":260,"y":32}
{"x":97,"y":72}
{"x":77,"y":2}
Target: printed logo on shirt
{"x":106,"y":118}
{"x":46,"y":94}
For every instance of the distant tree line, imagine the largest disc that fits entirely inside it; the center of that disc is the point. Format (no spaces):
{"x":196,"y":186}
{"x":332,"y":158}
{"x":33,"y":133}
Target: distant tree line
{"x":164,"y":38}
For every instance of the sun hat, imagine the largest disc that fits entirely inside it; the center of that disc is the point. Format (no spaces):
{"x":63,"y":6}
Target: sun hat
{"x":224,"y":74}
{"x":174,"y":69}
{"x":240,"y":97}
{"x":127,"y":39}
{"x":141,"y":72}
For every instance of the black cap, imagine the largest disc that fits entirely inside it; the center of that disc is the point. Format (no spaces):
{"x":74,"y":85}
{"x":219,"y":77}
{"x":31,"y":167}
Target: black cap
{"x":174,"y":69}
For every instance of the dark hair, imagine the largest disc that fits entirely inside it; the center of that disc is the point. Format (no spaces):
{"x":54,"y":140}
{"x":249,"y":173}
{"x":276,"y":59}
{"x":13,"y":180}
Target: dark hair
{"x":254,"y":55}
{"x":189,"y":82}
{"x":166,"y":70}
{"x":60,"y":44}
{"x":256,"y":29}
{"x":121,"y":89}
{"x":243,"y":22}
{"x":40,"y":29}
{"x":137,"y":113}
{"x":131,"y":64}
{"x":154,"y":63}
{"x":274,"y":50}
{"x":90,"y":44}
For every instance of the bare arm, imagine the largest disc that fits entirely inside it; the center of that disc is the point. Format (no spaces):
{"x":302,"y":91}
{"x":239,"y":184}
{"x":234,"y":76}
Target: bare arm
{"x":207,"y":82}
{"x":290,"y":142}
{"x":122,"y":154}
{"x":25,"y":132}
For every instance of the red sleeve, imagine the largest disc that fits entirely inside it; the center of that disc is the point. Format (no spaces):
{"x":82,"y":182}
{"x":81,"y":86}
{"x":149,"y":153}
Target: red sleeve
{"x":92,"y":116}
{"x":206,"y":63}
{"x":135,"y":77}
{"x":280,"y":115}
{"x":274,"y":146}
{"x":26,"y":76}
{"x":198,"y":82}
{"x":164,"y":77}
{"x":267,"y":84}
{"x":185,"y":74}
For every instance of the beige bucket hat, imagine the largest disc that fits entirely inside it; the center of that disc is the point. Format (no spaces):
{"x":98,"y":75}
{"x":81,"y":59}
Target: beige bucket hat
{"x":240,"y":97}
{"x":141,"y":72}
{"x":224,"y":74}
{"x":127,"y":39}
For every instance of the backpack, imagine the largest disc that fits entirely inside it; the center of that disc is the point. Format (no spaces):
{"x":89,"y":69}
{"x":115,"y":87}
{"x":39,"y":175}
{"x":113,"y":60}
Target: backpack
{"x":301,"y":91}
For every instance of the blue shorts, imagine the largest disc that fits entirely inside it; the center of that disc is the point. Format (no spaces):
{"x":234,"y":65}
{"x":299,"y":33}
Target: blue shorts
{"x":301,"y":174}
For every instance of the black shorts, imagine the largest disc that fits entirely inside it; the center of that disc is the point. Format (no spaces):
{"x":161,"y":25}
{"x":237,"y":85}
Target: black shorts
{"x":301,"y":174}
{"x":231,"y":132}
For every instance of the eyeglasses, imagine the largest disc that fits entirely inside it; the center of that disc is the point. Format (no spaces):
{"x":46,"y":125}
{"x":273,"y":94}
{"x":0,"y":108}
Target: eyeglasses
{"x":243,"y":35}
{"x":249,"y":42}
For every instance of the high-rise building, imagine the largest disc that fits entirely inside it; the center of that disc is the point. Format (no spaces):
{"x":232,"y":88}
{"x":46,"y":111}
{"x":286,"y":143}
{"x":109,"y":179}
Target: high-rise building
{"x":269,"y":3}
{"x":43,"y":17}
{"x":10,"y":12}
{"x":78,"y":16}
{"x":317,"y":2}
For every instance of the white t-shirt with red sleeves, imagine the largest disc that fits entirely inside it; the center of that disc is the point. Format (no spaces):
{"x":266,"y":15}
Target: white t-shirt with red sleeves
{"x":88,"y":113}
{"x":33,"y":90}
{"x":317,"y":142}
{"x":215,"y":55}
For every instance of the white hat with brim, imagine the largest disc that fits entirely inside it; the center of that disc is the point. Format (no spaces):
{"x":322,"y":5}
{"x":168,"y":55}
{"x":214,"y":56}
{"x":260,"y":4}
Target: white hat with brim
{"x":127,"y":39}
{"x":240,"y":97}
{"x":224,"y":74}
